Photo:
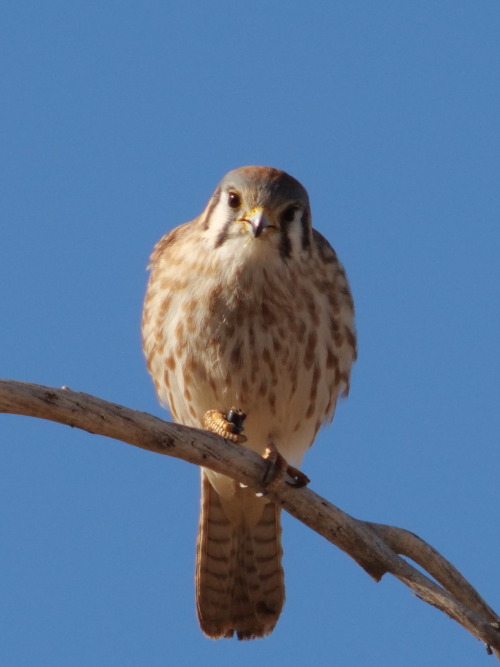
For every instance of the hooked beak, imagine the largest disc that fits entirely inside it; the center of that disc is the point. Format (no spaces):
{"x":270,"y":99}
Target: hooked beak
{"x":258,"y":221}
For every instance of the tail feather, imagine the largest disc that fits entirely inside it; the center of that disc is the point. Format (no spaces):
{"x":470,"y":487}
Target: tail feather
{"x":239,"y":578}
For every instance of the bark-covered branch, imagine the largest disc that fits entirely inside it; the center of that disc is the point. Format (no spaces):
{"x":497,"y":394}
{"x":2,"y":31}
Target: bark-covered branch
{"x":377,"y":548}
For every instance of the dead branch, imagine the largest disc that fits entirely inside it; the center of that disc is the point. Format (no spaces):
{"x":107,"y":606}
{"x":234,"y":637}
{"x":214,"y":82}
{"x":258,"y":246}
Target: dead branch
{"x":377,"y":548}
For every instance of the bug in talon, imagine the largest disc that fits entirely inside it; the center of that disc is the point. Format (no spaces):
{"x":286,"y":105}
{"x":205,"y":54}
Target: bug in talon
{"x":217,"y":422}
{"x":237,"y":418}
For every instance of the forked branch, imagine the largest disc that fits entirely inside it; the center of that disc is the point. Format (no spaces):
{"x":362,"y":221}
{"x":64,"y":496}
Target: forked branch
{"x":376,"y":547}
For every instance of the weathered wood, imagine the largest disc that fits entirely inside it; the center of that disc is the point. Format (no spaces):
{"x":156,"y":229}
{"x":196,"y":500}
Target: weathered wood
{"x":376,"y":547}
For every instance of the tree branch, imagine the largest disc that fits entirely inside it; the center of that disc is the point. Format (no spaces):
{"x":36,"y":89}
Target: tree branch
{"x":377,"y":548}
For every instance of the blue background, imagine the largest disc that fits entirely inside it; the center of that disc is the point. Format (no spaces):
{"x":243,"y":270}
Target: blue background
{"x":117,"y":121}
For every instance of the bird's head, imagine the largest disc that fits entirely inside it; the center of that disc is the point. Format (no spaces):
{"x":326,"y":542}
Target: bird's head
{"x":260,"y":211}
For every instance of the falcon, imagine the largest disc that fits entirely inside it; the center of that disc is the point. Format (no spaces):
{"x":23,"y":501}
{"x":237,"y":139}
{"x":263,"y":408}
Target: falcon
{"x":248,"y":330}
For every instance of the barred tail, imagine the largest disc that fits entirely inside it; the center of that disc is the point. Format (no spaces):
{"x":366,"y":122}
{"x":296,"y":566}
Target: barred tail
{"x":239,"y":578}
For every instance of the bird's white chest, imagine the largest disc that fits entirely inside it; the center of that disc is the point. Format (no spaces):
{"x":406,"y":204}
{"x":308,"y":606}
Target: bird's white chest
{"x":253,"y":346}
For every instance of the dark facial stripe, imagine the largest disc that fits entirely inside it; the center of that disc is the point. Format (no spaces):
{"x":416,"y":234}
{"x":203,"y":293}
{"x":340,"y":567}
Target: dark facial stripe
{"x":306,"y":229}
{"x":285,"y":244}
{"x":223,"y":234}
{"x":209,"y":210}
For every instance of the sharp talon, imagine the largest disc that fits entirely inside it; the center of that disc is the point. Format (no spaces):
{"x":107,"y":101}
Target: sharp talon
{"x":229,"y":427}
{"x":275,"y":468}
{"x":299,"y":480}
{"x":278,"y":469}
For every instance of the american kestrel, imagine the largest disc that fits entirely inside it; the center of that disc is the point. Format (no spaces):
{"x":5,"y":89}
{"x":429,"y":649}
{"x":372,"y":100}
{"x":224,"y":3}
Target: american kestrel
{"x":247,"y":307}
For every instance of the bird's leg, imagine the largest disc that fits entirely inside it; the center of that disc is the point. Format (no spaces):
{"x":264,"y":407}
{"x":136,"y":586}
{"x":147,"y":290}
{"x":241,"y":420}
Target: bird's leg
{"x":228,"y":426}
{"x":278,"y":468}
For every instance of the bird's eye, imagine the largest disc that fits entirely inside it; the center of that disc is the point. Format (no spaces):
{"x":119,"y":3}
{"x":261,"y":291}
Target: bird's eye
{"x":234,"y":200}
{"x":289,"y":213}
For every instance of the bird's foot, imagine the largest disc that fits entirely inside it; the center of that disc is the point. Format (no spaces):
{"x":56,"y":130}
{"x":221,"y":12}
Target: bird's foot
{"x":278,"y":469}
{"x":229,"y":426}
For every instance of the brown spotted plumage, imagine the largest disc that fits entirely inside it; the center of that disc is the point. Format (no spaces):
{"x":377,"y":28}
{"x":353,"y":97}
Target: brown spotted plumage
{"x":248,"y":306}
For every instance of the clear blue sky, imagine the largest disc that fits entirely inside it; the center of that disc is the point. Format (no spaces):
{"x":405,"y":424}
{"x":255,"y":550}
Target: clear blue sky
{"x":117,"y":121}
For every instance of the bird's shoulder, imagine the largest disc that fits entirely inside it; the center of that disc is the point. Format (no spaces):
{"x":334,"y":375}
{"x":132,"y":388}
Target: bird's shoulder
{"x":331,"y":279}
{"x":169,"y":244}
{"x":324,"y":250}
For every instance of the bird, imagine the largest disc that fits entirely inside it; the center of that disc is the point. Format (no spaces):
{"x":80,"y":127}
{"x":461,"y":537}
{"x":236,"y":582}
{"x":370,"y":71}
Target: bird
{"x":248,"y":330}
